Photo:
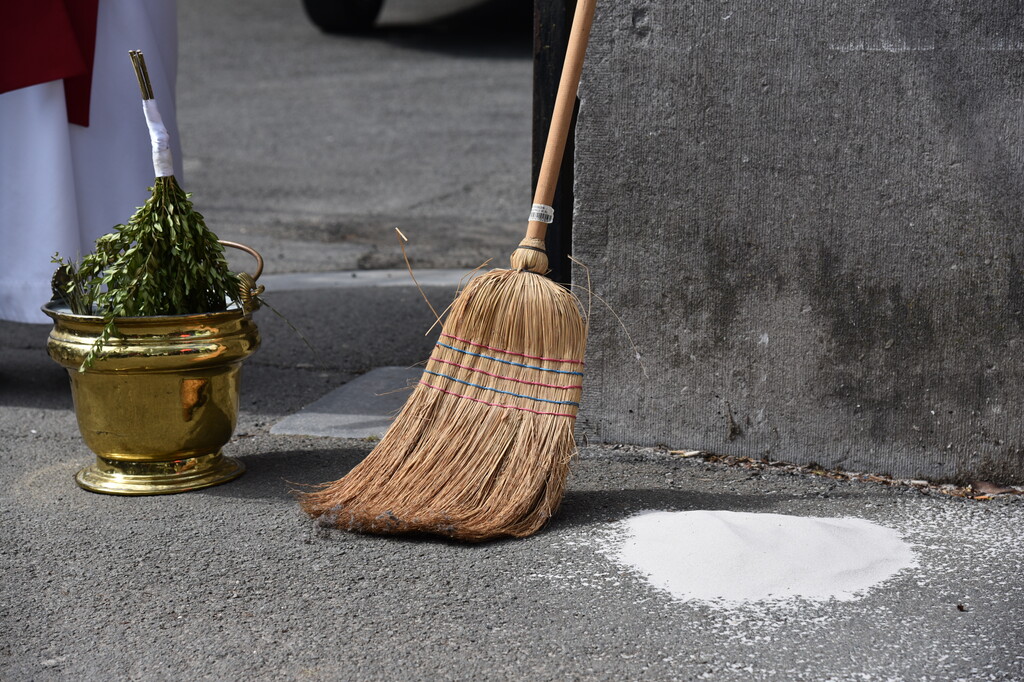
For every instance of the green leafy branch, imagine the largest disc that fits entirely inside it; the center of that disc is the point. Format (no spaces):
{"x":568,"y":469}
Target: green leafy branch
{"x":164,"y":261}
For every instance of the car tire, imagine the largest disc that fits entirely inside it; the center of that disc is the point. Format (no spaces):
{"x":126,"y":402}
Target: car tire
{"x":343,"y":16}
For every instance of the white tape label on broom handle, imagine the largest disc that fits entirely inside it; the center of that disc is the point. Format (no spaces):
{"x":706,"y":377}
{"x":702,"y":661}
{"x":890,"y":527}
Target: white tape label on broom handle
{"x":163,"y":164}
{"x":542,"y":213}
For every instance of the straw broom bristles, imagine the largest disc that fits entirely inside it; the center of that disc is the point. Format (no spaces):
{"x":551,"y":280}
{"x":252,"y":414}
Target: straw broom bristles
{"x":482,"y":447}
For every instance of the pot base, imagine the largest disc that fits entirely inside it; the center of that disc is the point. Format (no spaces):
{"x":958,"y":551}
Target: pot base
{"x":115,"y":477}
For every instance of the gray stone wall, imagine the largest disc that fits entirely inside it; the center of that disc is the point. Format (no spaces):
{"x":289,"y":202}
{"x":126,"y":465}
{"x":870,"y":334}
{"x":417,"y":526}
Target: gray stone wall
{"x":808,"y":216}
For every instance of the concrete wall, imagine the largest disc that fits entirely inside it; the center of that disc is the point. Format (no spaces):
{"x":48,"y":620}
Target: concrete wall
{"x":808,"y":215}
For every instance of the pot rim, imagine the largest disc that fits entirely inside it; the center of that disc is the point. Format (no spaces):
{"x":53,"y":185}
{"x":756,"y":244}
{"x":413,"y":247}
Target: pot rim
{"x":57,"y":308}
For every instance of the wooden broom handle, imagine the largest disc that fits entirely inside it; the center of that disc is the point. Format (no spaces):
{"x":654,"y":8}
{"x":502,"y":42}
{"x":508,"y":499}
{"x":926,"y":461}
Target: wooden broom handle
{"x":561,"y":117}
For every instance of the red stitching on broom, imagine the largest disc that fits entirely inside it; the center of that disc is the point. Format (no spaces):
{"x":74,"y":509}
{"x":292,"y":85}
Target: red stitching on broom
{"x":498,"y":376}
{"x":509,"y":352}
{"x":509,"y":407}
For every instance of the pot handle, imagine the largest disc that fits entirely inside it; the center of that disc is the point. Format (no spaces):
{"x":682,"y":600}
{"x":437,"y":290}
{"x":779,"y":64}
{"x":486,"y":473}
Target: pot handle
{"x":248,"y":290}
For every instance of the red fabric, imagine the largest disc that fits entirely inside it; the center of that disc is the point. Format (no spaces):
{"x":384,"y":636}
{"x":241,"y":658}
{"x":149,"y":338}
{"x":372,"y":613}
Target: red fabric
{"x":77,"y":89}
{"x":47,"y":40}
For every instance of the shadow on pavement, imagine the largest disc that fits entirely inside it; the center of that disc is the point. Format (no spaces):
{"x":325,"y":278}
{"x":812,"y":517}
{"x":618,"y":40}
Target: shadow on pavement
{"x":277,"y":475}
{"x":499,"y":29}
{"x":28,"y":377}
{"x":45,"y":387}
{"x":585,"y":507}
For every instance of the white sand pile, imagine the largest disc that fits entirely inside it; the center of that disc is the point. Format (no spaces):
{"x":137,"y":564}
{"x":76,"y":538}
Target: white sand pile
{"x":734,"y":558}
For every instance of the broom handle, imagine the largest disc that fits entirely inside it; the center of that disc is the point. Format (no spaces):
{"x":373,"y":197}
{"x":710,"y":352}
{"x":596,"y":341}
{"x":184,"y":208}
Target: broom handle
{"x":561,"y":117}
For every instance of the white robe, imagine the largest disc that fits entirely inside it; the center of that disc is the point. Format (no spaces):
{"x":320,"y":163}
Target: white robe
{"x":63,"y":185}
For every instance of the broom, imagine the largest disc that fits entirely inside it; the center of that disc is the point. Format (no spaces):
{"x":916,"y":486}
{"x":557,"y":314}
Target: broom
{"x":481,"y":448}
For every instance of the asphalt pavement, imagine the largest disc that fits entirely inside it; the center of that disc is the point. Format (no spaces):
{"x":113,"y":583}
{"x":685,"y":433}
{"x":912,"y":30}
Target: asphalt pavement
{"x":314,"y":147}
{"x":235,"y":583}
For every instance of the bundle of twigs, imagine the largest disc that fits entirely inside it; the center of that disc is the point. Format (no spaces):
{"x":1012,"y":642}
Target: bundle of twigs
{"x":482,"y":447}
{"x":164,"y":261}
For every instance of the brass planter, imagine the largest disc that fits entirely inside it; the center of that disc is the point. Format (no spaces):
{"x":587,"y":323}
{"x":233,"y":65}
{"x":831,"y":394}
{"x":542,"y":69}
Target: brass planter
{"x":160,"y":401}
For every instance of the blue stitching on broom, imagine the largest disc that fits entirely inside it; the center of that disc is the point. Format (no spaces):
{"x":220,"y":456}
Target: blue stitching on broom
{"x":498,"y":390}
{"x":484,"y":402}
{"x":508,"y":362}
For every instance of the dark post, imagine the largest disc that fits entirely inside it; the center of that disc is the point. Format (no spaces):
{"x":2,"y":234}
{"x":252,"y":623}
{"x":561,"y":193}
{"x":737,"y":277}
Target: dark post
{"x":552,"y":20}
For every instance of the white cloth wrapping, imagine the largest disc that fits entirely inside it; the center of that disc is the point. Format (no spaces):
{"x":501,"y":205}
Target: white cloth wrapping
{"x":163,"y":159}
{"x":61,"y":185}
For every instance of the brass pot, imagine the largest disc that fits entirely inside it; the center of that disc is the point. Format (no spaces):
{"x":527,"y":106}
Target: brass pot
{"x":161,"y":400}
